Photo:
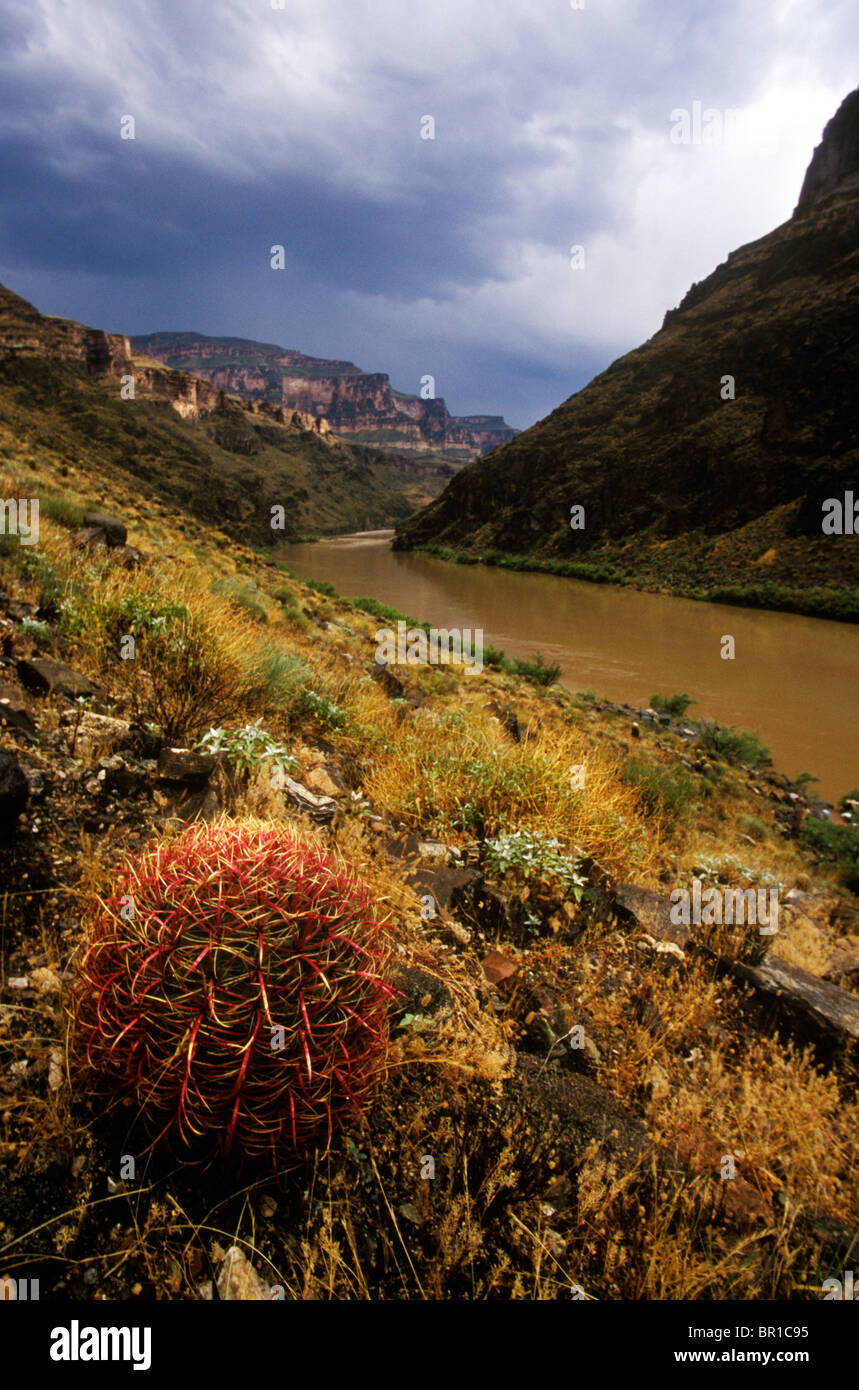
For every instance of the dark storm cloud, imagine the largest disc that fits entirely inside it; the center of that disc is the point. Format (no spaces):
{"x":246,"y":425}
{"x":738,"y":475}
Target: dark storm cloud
{"x":301,"y":127}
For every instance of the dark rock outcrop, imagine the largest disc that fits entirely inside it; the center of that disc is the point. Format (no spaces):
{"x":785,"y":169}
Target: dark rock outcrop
{"x":834,"y":167}
{"x":115,"y":531}
{"x":45,"y":675}
{"x":803,"y":1007}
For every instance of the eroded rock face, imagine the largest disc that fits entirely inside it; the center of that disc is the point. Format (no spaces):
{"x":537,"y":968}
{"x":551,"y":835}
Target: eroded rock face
{"x":359,"y":405}
{"x":25,"y":333}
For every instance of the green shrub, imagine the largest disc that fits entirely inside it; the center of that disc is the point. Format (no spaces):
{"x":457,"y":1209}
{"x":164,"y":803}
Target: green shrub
{"x":180,"y":679}
{"x":244,"y":597}
{"x":62,"y":510}
{"x":276,"y":681}
{"x":39,"y":569}
{"x":530,"y":855}
{"x":32,"y":628}
{"x":675,"y":705}
{"x":835,"y":844}
{"x":385,"y":612}
{"x":753,"y":827}
{"x":325,"y":711}
{"x":734,"y":745}
{"x":662,"y":792}
{"x":247,"y":747}
{"x":536,"y":670}
{"x":322,"y":586}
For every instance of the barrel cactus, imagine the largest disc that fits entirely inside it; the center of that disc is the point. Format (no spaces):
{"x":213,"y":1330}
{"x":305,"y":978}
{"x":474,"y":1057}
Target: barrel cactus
{"x":233,"y":985}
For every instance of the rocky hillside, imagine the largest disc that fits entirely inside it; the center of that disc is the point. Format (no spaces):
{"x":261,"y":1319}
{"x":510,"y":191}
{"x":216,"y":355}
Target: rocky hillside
{"x":702,"y":460}
{"x":576,"y":1063}
{"x":65,"y":394}
{"x":361,"y":405}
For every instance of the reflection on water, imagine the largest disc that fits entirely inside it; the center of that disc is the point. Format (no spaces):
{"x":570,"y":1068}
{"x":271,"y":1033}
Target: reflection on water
{"x":794,"y":679}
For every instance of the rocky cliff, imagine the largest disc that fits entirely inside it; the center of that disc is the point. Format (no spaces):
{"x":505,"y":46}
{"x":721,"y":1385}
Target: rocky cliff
{"x":27,"y":334}
{"x":703,"y":458}
{"x":359,"y":405}
{"x":834,"y":168}
{"x":65,"y":393}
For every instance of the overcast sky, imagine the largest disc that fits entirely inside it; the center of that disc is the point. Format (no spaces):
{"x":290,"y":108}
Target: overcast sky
{"x":301,"y":126}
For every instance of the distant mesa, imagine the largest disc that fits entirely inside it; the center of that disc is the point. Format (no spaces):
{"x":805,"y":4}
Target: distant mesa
{"x":360,"y":405}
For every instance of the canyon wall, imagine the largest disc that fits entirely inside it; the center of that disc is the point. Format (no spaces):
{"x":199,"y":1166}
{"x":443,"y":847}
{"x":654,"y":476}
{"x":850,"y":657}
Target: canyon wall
{"x":358,"y":405}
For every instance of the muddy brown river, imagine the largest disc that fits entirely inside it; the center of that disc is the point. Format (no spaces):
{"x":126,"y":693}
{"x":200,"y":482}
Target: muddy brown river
{"x":794,"y":680}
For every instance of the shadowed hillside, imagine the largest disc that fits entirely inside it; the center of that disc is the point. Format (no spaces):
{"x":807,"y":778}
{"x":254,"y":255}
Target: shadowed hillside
{"x":703,"y":458}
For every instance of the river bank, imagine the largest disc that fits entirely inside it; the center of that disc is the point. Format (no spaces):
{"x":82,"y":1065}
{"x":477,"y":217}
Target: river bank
{"x":838,"y":605}
{"x":792,"y":680}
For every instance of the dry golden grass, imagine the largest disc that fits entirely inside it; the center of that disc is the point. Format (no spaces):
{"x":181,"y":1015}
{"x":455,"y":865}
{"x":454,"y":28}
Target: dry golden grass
{"x":456,"y":773}
{"x":449,"y":769}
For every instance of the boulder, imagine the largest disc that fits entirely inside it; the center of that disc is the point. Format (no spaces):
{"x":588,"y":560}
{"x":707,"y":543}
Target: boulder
{"x":186,"y":765}
{"x":115,"y":531}
{"x":44,"y":676}
{"x":117,"y":778}
{"x":187,"y":803}
{"x":562,"y":1113}
{"x":497,"y":967}
{"x":843,"y":968}
{"x":19,"y":610}
{"x":319,"y":780}
{"x":95,"y":731}
{"x":238,"y":1281}
{"x":802,"y":1006}
{"x":509,"y":720}
{"x":403,"y":845}
{"x":321,"y":809}
{"x":391,"y":684}
{"x":129,"y":557}
{"x":642,"y":907}
{"x":441,"y":884}
{"x":89,"y":536}
{"x":735,"y":1200}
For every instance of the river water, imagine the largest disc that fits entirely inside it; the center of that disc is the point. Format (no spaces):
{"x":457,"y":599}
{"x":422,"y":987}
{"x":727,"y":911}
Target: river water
{"x":794,"y":680}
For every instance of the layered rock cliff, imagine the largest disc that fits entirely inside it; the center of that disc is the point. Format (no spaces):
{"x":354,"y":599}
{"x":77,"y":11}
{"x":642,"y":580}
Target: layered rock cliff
{"x":703,"y":458}
{"x":65,"y":390}
{"x":359,"y":405}
{"x":25,"y":333}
